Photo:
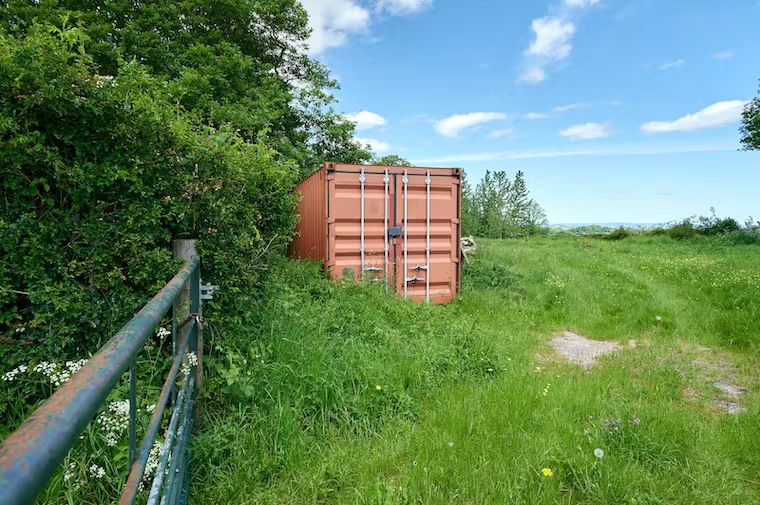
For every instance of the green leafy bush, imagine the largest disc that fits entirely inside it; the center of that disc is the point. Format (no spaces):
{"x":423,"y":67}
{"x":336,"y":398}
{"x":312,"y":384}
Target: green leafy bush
{"x":619,"y":234}
{"x":99,"y":174}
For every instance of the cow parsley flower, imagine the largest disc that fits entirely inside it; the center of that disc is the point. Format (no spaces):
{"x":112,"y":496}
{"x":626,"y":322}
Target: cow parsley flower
{"x":97,"y":472}
{"x":114,"y":421}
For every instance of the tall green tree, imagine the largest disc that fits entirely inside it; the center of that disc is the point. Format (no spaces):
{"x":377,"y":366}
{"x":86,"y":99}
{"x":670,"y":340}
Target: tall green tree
{"x":499,"y":207}
{"x":239,"y":63}
{"x":391,"y":160}
{"x":750,"y":129}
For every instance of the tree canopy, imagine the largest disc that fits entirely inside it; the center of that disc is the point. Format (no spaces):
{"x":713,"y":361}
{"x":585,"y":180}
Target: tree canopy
{"x":750,"y":129}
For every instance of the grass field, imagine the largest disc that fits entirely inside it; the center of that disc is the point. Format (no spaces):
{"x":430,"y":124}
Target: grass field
{"x":345,"y":395}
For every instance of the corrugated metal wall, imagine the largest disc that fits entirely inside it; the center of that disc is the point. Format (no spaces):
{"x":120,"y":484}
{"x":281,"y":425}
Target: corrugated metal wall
{"x":310,"y":241}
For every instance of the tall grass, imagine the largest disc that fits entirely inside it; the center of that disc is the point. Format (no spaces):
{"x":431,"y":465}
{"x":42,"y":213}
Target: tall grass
{"x":342,"y":394}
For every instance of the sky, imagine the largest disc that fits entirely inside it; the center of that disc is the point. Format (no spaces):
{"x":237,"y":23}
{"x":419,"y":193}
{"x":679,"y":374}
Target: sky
{"x":616,"y":110}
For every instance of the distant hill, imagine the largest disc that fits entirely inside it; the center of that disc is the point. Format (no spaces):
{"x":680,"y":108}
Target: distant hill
{"x":598,"y":228}
{"x":611,"y":226}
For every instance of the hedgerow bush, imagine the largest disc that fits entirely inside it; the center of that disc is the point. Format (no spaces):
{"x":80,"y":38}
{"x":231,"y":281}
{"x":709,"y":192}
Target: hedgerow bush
{"x":99,"y":175}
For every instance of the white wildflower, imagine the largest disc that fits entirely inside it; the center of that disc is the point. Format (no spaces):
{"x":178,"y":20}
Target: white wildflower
{"x":97,"y":472}
{"x":20,"y":329}
{"x":114,"y":421}
{"x":191,"y":361}
{"x":150,"y":408}
{"x":11,"y":376}
{"x":162,"y":332}
{"x":598,"y":453}
{"x":153,"y":459}
{"x":658,"y":318}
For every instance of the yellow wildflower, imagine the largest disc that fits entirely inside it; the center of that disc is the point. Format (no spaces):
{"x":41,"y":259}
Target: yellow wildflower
{"x":547,"y":472}
{"x":378,"y":387}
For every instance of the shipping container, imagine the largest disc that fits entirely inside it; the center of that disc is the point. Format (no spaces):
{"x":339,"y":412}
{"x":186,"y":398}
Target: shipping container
{"x":396,"y":226}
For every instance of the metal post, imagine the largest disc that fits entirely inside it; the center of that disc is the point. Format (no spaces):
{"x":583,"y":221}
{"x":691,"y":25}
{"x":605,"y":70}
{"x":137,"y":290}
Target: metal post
{"x":427,"y":239}
{"x":132,"y":411}
{"x":405,"y":180}
{"x":386,"y":179}
{"x":191,"y":297}
{"x":361,"y":181}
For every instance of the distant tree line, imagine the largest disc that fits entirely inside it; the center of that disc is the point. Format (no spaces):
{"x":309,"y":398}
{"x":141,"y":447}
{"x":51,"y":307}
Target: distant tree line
{"x":500,"y":207}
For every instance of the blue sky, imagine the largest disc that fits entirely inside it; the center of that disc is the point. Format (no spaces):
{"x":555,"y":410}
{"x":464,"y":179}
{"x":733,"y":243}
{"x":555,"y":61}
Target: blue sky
{"x":616,"y":110}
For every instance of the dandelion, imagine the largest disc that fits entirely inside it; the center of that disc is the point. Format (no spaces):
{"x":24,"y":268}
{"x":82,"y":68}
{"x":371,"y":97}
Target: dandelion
{"x":97,"y":472}
{"x":598,"y":453}
{"x":547,"y":472}
{"x":658,"y":318}
{"x":378,"y":387}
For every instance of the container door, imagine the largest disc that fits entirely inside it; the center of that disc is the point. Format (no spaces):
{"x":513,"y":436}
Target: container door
{"x":359,"y":215}
{"x":427,"y":251}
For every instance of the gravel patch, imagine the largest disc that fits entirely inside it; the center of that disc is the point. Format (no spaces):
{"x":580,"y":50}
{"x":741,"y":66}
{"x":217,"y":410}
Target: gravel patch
{"x":581,"y":350}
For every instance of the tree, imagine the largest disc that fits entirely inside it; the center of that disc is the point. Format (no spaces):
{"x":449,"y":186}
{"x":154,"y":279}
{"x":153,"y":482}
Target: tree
{"x":750,"y":129}
{"x":391,"y":160}
{"x":233,"y":62}
{"x":499,"y":207}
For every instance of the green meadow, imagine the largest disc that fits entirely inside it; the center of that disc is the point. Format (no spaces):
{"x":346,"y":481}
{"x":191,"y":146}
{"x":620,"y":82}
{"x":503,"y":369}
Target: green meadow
{"x":340,"y":394}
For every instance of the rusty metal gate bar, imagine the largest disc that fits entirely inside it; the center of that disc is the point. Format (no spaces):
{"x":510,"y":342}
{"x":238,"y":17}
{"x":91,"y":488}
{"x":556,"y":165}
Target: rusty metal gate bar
{"x":31,"y":455}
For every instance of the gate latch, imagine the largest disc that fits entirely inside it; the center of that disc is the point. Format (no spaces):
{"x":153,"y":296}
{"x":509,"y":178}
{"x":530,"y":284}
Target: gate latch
{"x":394,"y":231}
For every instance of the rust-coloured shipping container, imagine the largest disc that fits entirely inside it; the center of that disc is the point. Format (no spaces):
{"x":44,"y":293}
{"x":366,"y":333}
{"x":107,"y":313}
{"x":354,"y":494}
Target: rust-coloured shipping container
{"x":398,"y":226}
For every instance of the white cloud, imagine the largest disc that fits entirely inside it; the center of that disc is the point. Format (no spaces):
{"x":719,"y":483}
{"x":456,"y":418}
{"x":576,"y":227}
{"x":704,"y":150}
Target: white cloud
{"x":533,"y":75}
{"x":581,"y":3}
{"x":569,"y":107}
{"x":452,"y":125}
{"x":552,"y":38}
{"x":640,"y":150}
{"x":587,"y":131}
{"x":723,"y":55}
{"x":403,"y":6}
{"x":333,"y":21}
{"x":497,"y":134}
{"x":671,"y":64}
{"x":717,"y":114}
{"x":536,"y":115}
{"x":366,"y":120}
{"x":377,"y":145}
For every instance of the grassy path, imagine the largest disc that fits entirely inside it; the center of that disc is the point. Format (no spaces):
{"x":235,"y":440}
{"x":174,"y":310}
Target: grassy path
{"x":358,"y":398}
